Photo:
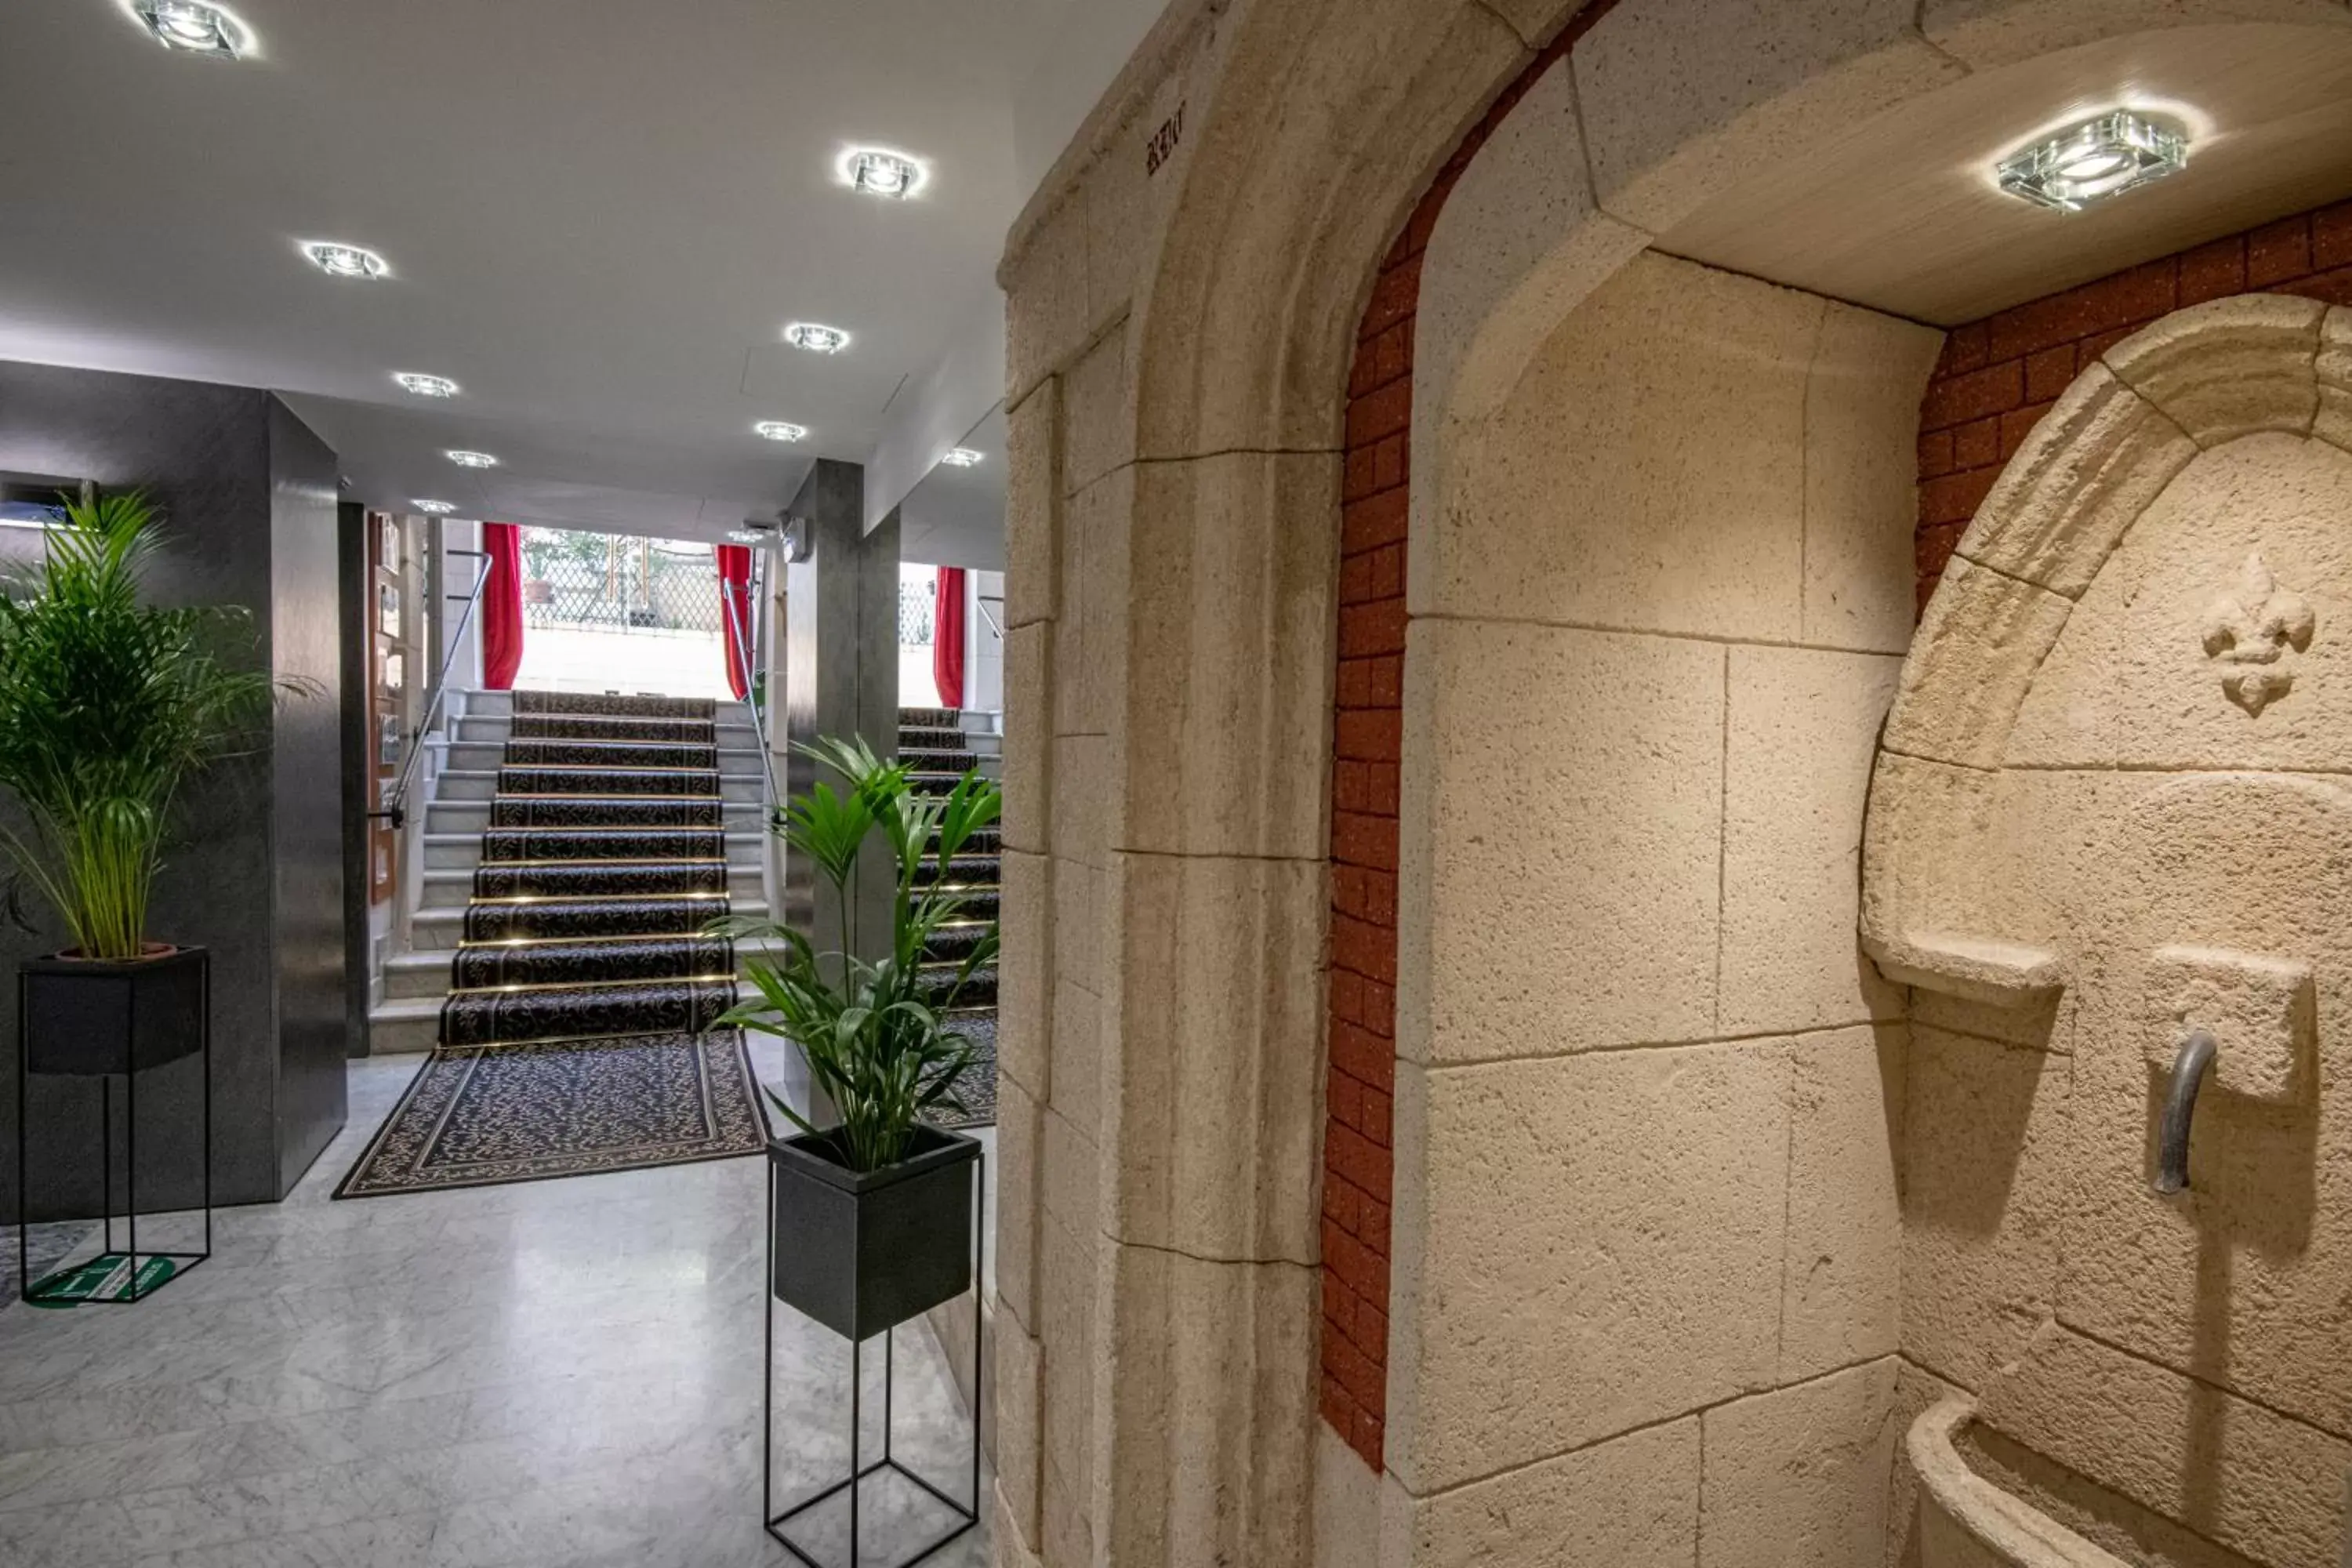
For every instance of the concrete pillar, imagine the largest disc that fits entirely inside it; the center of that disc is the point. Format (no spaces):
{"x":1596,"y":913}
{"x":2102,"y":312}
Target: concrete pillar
{"x":841,"y":676}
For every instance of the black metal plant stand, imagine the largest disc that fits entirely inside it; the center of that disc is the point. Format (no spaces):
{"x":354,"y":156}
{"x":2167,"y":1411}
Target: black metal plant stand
{"x":106,"y":1064}
{"x":966,"y":1517}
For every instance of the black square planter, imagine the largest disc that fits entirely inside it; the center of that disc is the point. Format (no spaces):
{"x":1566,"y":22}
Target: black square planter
{"x":109,"y":1018}
{"x":865,"y":1252}
{"x":87,"y":1016}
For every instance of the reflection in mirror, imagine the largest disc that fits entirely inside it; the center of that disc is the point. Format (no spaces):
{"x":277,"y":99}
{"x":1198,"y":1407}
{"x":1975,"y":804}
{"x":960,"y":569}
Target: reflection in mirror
{"x":951,"y":577}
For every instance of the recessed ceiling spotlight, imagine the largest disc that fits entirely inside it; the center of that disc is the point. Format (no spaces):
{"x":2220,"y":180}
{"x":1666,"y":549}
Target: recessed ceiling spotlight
{"x":2090,"y":161}
{"x":778,"y":430}
{"x":437,"y":508}
{"x":817,"y":340}
{"x":472,"y":459}
{"x":195,"y":28}
{"x":426,"y":386}
{"x":343,"y":260}
{"x":962,"y":458}
{"x":878,"y":172}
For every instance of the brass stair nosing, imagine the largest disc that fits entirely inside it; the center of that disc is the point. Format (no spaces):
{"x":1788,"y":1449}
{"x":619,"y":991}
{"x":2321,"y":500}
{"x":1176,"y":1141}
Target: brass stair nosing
{"x":504,"y":987}
{"x":592,"y":897}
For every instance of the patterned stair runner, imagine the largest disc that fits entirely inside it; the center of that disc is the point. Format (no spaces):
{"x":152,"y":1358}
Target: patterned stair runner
{"x":931,"y":741}
{"x":605,"y":856}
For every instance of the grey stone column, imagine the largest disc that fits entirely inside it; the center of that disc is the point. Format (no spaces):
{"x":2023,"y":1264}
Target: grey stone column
{"x":841,"y":678}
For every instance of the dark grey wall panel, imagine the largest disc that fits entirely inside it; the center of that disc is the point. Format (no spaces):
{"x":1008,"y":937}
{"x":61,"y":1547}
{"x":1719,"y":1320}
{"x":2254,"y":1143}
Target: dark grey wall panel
{"x":306,"y":794}
{"x":204,"y":453}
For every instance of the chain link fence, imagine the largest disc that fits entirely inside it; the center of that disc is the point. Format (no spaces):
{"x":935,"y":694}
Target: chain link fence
{"x":915,"y":613}
{"x":611,"y":581}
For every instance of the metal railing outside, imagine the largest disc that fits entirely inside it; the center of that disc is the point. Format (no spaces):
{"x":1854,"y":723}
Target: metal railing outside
{"x":396,"y":808}
{"x":752,"y":687}
{"x":613,"y":582}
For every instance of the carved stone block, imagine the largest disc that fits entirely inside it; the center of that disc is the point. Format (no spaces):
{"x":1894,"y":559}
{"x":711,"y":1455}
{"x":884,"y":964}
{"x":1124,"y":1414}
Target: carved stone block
{"x":2259,"y":1008}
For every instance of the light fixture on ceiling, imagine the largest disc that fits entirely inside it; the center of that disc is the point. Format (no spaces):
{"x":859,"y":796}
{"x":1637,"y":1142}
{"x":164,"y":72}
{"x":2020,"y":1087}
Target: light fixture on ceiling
{"x":754,"y":531}
{"x":880,"y":171}
{"x":338,"y":260}
{"x":195,"y":28}
{"x":780,"y":430}
{"x":817,"y":340}
{"x":435,"y":507}
{"x":2095,"y":159}
{"x":961,"y":458}
{"x":426,"y":386}
{"x":472,"y":459}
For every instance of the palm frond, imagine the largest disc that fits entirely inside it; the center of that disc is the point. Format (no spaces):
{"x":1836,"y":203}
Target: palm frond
{"x":107,"y":705}
{"x":873,"y":1032}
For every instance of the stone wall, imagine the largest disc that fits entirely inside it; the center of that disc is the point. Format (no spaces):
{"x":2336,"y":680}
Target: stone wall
{"x":1649,"y":1094}
{"x":1186,"y":299}
{"x":1376,"y":494}
{"x":1999,"y":376}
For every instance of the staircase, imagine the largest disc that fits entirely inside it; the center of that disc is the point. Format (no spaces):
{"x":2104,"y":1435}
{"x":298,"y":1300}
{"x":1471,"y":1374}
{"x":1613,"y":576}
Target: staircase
{"x":575,"y":848}
{"x":940,"y":744}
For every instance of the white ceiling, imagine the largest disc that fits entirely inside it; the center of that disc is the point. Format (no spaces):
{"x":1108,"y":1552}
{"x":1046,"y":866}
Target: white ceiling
{"x":599,"y":217}
{"x":1900,"y":212}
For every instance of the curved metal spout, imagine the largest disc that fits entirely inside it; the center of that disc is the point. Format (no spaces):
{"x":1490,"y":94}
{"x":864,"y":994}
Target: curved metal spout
{"x":2179,"y":1107}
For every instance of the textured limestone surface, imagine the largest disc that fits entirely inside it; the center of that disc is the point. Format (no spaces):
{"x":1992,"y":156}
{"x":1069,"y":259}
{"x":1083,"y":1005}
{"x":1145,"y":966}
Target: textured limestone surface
{"x":2121,"y":741}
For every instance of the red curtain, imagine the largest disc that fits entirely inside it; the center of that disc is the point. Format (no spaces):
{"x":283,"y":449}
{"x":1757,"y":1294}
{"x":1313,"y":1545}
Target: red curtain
{"x":947,"y":636}
{"x":735,"y":612}
{"x":502,"y":606}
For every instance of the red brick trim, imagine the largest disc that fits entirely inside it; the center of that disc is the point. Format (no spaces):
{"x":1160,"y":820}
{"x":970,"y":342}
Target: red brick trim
{"x":1367,"y":729}
{"x":1999,"y":376}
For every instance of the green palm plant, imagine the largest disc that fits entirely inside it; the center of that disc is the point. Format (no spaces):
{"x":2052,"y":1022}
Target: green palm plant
{"x":105,"y":705}
{"x":874,"y":1032}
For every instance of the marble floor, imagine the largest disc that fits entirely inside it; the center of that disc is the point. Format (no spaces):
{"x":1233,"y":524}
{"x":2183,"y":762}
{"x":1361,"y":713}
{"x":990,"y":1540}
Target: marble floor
{"x":557,"y":1373}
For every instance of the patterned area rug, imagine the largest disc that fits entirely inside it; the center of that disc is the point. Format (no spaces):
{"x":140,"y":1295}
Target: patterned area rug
{"x":979,"y":1087}
{"x":523,"y":1113}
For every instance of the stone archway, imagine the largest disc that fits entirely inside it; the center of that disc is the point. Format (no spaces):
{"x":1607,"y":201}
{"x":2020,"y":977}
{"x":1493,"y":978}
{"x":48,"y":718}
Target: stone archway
{"x":1180,"y":341}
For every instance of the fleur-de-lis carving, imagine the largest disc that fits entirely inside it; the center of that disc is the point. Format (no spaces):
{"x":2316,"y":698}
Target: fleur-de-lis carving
{"x":2253,"y":630}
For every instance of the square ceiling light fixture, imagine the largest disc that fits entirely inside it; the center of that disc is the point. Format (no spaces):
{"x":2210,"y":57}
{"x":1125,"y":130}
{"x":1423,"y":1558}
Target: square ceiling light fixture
{"x":2087,"y":162}
{"x":816,"y":339}
{"x":195,"y":27}
{"x":878,"y":172}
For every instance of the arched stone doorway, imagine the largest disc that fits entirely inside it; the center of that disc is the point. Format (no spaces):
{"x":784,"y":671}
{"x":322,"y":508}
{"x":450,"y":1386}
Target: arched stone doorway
{"x":1181,"y":329}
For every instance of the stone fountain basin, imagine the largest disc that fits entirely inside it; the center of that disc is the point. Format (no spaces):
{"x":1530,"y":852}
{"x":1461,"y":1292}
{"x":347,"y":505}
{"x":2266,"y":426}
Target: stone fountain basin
{"x":1966,"y":1521}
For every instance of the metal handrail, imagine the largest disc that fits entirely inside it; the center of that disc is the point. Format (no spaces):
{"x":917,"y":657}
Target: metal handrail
{"x":751,"y":678}
{"x":397,"y":811}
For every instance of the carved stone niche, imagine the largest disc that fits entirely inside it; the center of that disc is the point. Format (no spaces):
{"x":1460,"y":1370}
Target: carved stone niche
{"x":2114,"y":804}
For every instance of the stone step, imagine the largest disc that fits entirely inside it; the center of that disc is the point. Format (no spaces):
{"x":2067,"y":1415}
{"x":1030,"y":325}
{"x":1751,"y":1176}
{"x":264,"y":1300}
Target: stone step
{"x":447,"y":889}
{"x":456,"y":816}
{"x":416,"y":974}
{"x":502,"y":703}
{"x":467,"y":756}
{"x":443,"y":927}
{"x":452,"y":851}
{"x":481,"y":783}
{"x":496,"y":729}
{"x":414,"y":1024}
